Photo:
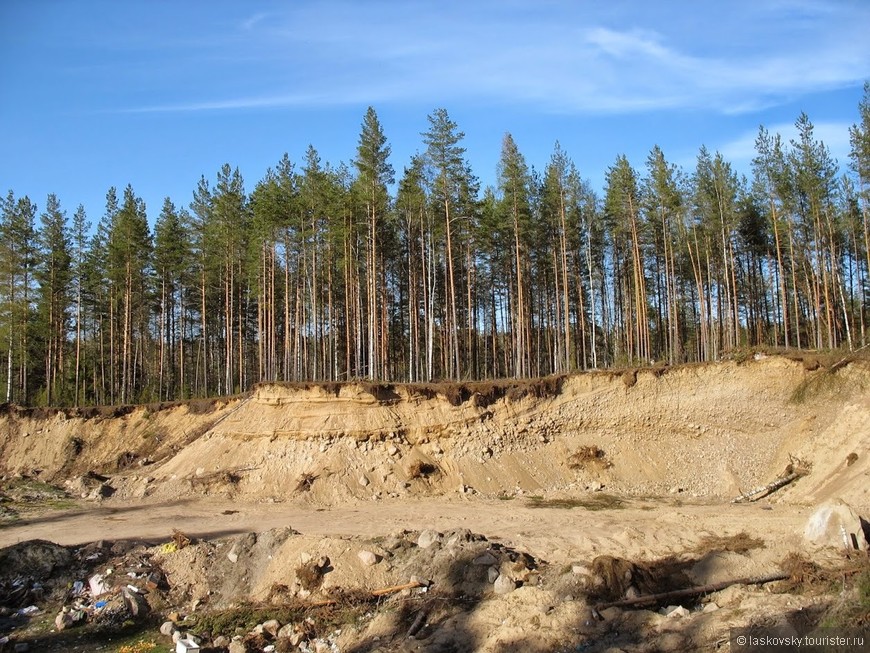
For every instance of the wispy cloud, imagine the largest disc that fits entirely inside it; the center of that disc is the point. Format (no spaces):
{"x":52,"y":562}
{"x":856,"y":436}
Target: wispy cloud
{"x":563,"y":58}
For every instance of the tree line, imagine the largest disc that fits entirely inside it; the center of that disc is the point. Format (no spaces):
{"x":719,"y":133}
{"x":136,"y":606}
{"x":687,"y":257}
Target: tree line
{"x":337,"y":272}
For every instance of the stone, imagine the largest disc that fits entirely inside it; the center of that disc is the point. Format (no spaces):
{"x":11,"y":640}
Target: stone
{"x":21,"y":647}
{"x":674,"y":612}
{"x":711,"y":607}
{"x":233,"y":554}
{"x":485,"y":559}
{"x":167,"y":628}
{"x":220,"y":642}
{"x":504,"y":585}
{"x":492,"y":574}
{"x":368,"y":558}
{"x":177,"y":636}
{"x":836,"y":524}
{"x":422,"y":582}
{"x":272,"y":626}
{"x":363,"y":480}
{"x":580,"y":569}
{"x":427,"y":538}
{"x":135,"y":602}
{"x":285,"y":631}
{"x":237,"y":646}
{"x":63,"y":620}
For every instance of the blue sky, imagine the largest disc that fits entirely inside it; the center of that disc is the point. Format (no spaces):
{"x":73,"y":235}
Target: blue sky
{"x":156,"y":93}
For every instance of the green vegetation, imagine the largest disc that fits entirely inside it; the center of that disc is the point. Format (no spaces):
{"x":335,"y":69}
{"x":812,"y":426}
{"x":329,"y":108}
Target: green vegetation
{"x":20,"y":497}
{"x":332,"y":272}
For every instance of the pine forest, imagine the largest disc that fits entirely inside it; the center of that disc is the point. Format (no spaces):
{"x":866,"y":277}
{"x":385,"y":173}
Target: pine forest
{"x":324,"y":272}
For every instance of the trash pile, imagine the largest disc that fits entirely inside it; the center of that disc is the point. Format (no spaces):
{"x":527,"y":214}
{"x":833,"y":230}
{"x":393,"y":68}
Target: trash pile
{"x":101,"y":583}
{"x":117,"y":589}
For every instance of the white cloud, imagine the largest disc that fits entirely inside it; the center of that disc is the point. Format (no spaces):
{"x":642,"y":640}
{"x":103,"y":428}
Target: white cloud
{"x":562,"y":58}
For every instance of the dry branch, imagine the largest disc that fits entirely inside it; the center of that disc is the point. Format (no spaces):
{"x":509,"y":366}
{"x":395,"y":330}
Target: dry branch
{"x":398,"y":588}
{"x":692,"y":591}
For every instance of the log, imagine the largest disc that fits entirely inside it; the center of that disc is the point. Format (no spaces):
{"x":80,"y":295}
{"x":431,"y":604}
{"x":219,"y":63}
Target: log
{"x":761,"y":492}
{"x":693,"y":591}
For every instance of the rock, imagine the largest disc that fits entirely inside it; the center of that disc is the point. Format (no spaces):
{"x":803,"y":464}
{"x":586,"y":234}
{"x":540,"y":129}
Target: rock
{"x":285,"y":631}
{"x":427,"y":538}
{"x":167,"y":628}
{"x":21,"y":647}
{"x":485,"y":559}
{"x":835,"y":524}
{"x":363,"y":480}
{"x":392,"y":450}
{"x":492,"y":574}
{"x":674,"y":612}
{"x":422,"y":582}
{"x":63,"y":620}
{"x":177,"y":636}
{"x":233,"y":555}
{"x":237,"y":646}
{"x":632,"y":592}
{"x":220,"y":642}
{"x":710,"y":607}
{"x":368,"y":558}
{"x":580,"y":569}
{"x":504,"y":585}
{"x":272,"y":626}
{"x":135,"y":602}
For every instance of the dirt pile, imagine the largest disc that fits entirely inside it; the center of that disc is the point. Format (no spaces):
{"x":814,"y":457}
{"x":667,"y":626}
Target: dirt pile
{"x":716,"y":430}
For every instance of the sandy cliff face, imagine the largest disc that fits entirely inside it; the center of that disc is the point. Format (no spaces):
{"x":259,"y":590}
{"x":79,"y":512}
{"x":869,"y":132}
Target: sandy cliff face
{"x":713,"y":430}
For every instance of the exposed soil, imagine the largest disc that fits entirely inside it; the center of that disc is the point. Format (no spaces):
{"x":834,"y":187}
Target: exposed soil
{"x":576,"y":491}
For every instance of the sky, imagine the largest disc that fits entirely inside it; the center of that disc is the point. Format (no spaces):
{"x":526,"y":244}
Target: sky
{"x":157,"y":93}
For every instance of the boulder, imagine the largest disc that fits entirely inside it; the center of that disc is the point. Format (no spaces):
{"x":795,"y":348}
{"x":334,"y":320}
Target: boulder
{"x":368,"y":558}
{"x":836,"y":524}
{"x":427,"y":538}
{"x":504,"y":585}
{"x":271,"y":627}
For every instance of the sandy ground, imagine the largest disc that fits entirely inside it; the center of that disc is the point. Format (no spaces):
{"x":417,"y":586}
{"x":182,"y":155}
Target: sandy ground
{"x":643,"y":530}
{"x":345,"y":468}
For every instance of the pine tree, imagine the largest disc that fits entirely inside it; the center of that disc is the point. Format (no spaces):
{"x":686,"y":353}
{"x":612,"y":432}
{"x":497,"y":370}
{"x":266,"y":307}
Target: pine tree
{"x":54,"y":276}
{"x":447,"y":172}
{"x":514,"y":183}
{"x":80,"y":228}
{"x":375,"y":174}
{"x":129,"y":257}
{"x":172,"y":260}
{"x":18,"y":246}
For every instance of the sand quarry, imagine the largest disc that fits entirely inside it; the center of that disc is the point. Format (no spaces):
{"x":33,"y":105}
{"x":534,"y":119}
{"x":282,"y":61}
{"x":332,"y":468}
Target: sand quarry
{"x":592,"y":512}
